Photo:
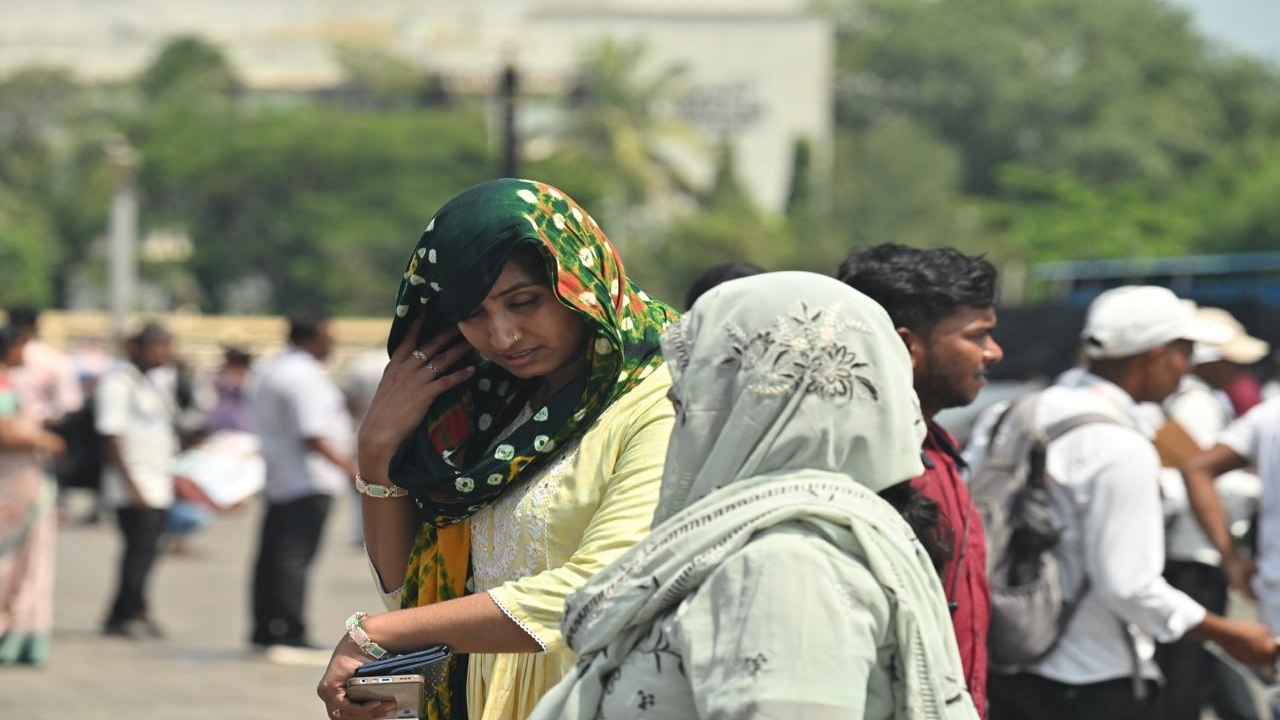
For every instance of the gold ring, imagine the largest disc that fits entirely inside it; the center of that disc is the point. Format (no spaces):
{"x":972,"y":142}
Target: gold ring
{"x":421,"y":356}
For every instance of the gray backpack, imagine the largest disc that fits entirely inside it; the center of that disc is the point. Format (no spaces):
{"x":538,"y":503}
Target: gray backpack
{"x":1029,"y":608}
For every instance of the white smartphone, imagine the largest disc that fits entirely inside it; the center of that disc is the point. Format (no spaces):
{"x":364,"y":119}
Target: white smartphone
{"x":405,"y":690}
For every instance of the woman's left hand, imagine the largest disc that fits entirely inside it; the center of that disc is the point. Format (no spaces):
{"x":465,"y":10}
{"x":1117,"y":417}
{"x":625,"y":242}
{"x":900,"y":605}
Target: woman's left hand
{"x":348,"y":656}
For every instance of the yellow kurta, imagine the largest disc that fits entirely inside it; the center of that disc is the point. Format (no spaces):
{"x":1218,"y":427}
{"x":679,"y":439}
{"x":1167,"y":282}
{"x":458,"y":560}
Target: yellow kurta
{"x":553,"y":531}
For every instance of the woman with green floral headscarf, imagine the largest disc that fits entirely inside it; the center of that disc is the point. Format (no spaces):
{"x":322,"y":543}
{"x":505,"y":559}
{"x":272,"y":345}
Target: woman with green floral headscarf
{"x":514,"y":446}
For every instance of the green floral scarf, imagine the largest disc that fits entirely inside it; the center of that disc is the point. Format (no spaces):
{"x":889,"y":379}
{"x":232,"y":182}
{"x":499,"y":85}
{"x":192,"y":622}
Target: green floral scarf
{"x":447,"y":464}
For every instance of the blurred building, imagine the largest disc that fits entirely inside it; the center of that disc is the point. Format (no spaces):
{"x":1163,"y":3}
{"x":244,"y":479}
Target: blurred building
{"x":760,"y":72}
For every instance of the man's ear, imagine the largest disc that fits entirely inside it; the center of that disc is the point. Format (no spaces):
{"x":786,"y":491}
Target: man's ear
{"x":915,"y":345}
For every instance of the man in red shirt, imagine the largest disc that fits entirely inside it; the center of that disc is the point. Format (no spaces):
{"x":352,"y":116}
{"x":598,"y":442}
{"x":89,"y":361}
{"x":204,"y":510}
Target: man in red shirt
{"x":943,"y":304}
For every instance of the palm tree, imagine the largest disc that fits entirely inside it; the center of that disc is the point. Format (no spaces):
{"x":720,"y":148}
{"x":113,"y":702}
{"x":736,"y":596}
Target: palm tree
{"x":622,"y":119}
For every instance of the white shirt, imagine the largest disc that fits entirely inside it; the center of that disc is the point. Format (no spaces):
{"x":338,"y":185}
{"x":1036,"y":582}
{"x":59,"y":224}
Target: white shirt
{"x":294,"y":400}
{"x":1203,"y":414}
{"x":1255,"y":436}
{"x":1105,"y":484}
{"x":131,"y":409}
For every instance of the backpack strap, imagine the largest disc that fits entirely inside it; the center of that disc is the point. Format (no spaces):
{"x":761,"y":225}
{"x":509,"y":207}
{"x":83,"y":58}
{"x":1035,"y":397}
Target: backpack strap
{"x":1049,"y":434}
{"x":1042,"y":438}
{"x":1025,"y":404}
{"x":1066,"y":425}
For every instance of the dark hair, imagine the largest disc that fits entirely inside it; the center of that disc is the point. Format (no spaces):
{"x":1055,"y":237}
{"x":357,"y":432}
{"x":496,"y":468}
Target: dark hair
{"x":530,"y":259}
{"x":306,"y":325}
{"x":8,"y":336}
{"x":152,"y":332}
{"x":23,"y":316}
{"x":925,"y":518}
{"x":716,"y":275}
{"x":918,"y":287}
{"x":236,"y":356}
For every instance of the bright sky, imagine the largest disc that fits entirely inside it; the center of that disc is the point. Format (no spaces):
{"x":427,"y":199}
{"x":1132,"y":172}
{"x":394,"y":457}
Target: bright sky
{"x":1252,"y":26}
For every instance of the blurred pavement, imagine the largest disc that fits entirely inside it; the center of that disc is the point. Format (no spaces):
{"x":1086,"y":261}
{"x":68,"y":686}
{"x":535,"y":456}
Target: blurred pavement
{"x":203,"y":668}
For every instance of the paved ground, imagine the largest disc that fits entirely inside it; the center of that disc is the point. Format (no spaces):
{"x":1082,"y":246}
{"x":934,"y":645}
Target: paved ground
{"x":203,"y":668}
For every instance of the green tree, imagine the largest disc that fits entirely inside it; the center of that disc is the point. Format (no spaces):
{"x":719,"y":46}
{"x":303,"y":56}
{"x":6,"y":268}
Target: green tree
{"x":620,"y":122}
{"x":1057,"y":217}
{"x":727,"y":228}
{"x":1233,"y":203}
{"x":895,"y":181}
{"x":188,"y":67}
{"x":375,"y":78}
{"x":52,"y":169}
{"x":800,"y":194}
{"x":28,"y":251}
{"x":322,"y":204}
{"x":1105,"y":90}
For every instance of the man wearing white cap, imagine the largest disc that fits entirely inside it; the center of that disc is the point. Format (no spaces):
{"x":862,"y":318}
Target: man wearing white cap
{"x":1193,"y":418}
{"x":1105,"y":484}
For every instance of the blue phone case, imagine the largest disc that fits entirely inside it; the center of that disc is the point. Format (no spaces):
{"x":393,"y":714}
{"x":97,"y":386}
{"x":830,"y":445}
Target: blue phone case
{"x":418,"y":662}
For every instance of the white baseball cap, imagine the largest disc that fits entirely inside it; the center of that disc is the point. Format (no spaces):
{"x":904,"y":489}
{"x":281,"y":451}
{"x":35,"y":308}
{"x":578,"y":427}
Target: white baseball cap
{"x":1240,"y":348}
{"x":1131,"y":320}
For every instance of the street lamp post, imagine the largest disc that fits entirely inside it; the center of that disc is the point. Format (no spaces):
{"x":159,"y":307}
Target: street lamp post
{"x":123,"y":234}
{"x":510,"y":140}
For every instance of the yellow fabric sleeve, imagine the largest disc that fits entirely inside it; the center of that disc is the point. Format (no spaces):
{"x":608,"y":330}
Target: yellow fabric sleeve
{"x":628,"y":462}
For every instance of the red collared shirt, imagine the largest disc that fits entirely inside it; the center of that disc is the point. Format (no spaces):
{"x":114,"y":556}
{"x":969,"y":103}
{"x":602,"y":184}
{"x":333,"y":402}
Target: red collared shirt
{"x":964,"y":577}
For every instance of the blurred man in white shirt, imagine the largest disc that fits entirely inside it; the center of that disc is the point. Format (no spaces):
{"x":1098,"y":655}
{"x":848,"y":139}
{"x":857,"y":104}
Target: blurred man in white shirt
{"x":135,"y":420}
{"x":1105,"y":482}
{"x":308,"y":441}
{"x":1191,"y":420}
{"x":1251,"y":440}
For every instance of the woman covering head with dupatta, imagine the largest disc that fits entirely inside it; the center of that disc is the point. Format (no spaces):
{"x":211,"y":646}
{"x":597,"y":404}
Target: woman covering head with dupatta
{"x":513,"y":448}
{"x":781,"y":580}
{"x":28,"y":518}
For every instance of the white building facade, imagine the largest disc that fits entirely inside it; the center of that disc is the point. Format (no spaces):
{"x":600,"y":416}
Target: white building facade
{"x":760,"y":72}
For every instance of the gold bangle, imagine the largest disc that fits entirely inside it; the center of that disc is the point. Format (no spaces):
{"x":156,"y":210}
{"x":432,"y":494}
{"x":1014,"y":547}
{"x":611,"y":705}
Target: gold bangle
{"x":379,"y":491}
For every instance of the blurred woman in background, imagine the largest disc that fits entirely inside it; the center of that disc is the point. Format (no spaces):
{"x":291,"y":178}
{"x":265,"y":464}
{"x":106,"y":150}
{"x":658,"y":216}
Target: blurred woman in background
{"x":28,"y":520}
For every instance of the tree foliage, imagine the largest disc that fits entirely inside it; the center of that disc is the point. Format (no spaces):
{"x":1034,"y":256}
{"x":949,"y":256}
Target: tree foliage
{"x":1026,"y":129}
{"x":322,"y":204}
{"x":1082,"y":128}
{"x":621,"y":120}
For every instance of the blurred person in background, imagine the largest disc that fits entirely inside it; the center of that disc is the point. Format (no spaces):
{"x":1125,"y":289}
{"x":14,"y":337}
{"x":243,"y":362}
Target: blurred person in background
{"x":177,"y":380}
{"x":230,"y":409}
{"x":47,"y":375}
{"x":136,"y":421}
{"x":1111,"y":551}
{"x":716,"y":275}
{"x":228,"y":412}
{"x":1271,"y":385}
{"x":513,"y":448}
{"x":47,"y":378}
{"x":1244,"y":391}
{"x":791,"y":569}
{"x":1189,"y":421}
{"x":308,"y":442}
{"x":82,"y":465}
{"x":942,"y":303}
{"x":28,"y":518}
{"x":1250,"y":440}
{"x":361,"y":377}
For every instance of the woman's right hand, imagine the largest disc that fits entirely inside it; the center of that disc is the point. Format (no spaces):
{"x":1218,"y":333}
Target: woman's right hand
{"x":408,"y":387}
{"x":332,"y":689}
